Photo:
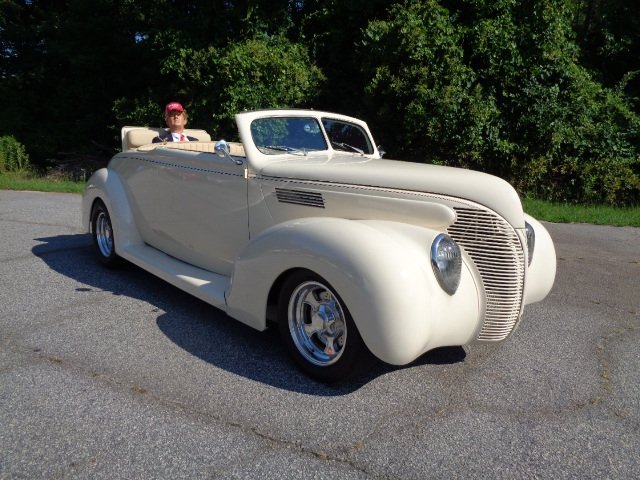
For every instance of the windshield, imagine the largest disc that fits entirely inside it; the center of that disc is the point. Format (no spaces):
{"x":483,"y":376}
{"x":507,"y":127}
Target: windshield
{"x":347,"y":136}
{"x":275,"y":135}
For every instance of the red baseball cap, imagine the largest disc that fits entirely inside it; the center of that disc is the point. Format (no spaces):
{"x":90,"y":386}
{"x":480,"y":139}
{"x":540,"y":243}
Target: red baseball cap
{"x":173,"y":107}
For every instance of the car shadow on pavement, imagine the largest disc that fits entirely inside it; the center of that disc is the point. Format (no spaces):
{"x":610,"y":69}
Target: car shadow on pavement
{"x":202,"y":330}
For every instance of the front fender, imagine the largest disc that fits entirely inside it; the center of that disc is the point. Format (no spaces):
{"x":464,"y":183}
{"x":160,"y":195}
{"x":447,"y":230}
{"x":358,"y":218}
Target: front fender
{"x":380,"y":269}
{"x":107,"y":186}
{"x":541,"y":273}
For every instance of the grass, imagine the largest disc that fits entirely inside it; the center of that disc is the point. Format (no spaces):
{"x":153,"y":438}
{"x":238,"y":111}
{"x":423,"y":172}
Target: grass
{"x":594,"y":214}
{"x":27,"y":181}
{"x":540,"y":209}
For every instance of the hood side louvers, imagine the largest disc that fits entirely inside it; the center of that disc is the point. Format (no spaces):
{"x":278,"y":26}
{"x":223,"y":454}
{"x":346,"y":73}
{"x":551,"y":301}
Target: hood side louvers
{"x":300,"y":197}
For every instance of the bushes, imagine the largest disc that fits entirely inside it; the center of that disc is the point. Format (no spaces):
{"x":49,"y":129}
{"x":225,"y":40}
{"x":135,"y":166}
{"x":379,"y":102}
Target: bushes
{"x":496,"y":86}
{"x":13,"y":155}
{"x":544,"y":93}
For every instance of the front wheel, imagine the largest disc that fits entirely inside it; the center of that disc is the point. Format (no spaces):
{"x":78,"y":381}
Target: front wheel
{"x":102,"y":232}
{"x":318,"y":330}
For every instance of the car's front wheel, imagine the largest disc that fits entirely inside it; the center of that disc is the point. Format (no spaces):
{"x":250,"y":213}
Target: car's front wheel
{"x":318,"y":330}
{"x":102,"y":232}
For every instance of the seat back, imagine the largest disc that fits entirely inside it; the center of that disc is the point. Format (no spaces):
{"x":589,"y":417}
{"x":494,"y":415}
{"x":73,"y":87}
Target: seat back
{"x":134,"y":137}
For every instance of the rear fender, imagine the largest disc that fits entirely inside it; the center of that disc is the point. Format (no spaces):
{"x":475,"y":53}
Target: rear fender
{"x":107,"y":186}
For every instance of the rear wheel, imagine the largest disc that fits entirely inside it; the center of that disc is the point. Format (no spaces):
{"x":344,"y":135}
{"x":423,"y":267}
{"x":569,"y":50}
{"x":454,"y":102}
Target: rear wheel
{"x":318,"y":330}
{"x":102,"y":231}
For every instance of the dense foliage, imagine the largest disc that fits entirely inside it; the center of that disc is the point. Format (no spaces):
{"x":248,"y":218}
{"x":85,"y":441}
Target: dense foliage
{"x":13,"y":155}
{"x":544,"y":93}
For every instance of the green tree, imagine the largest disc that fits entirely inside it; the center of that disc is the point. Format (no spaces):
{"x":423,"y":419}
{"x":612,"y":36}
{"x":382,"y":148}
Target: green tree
{"x":497,"y":86}
{"x":423,"y":97}
{"x":543,"y":93}
{"x":332,"y":30}
{"x":609,"y":36}
{"x":220,"y":57}
{"x":64,"y":63}
{"x":263,"y":72}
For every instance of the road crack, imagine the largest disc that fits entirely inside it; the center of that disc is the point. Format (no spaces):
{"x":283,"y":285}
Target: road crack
{"x":603,"y":355}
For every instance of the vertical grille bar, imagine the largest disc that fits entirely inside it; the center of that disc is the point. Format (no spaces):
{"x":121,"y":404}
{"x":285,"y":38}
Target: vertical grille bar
{"x":496,"y":250}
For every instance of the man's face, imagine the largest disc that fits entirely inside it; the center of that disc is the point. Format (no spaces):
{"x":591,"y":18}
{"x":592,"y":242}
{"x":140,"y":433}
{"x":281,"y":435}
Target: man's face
{"x":176,"y":121}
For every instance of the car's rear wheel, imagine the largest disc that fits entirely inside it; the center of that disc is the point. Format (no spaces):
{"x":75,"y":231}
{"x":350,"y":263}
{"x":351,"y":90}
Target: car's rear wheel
{"x":102,"y":232}
{"x":318,"y":330}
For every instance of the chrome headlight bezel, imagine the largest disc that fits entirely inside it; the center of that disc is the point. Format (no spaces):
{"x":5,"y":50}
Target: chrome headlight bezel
{"x":446,"y":261}
{"x":530,"y":235}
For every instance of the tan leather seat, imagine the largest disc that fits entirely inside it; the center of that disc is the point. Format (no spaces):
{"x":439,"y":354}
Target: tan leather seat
{"x":134,"y":137}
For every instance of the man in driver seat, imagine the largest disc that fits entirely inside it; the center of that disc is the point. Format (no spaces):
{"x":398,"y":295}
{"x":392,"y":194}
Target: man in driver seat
{"x":176,"y":118}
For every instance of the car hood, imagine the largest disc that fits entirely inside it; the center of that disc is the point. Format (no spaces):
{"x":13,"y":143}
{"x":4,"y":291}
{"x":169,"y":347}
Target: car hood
{"x":488,"y":190}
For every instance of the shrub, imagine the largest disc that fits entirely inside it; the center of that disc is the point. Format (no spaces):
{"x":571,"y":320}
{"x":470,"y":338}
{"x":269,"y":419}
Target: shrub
{"x":13,"y":155}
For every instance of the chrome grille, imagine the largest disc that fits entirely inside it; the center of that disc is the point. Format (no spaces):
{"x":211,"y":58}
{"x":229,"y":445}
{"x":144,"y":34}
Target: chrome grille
{"x":300,"y":197}
{"x":496,"y":250}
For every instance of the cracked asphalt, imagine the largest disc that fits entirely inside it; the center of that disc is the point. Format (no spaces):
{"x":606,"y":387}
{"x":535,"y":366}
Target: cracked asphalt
{"x":115,"y":374}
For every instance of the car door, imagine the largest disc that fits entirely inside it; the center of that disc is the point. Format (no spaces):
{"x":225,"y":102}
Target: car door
{"x":192,"y":206}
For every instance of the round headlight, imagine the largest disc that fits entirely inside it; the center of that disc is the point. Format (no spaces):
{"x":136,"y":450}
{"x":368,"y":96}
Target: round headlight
{"x":446,"y":260}
{"x":531,"y":240}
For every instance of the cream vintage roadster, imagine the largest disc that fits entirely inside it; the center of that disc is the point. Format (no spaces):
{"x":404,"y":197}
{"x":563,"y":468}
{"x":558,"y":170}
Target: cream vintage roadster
{"x":303,"y":224}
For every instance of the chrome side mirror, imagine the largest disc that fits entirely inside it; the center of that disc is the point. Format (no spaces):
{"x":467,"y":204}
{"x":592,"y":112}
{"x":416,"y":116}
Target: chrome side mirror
{"x":222,"y":149}
{"x":381,"y":151}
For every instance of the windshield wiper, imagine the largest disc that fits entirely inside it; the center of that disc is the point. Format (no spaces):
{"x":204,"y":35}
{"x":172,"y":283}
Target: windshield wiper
{"x":284,"y":148}
{"x":346,"y":146}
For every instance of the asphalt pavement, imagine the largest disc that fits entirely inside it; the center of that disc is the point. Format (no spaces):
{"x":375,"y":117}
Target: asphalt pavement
{"x":115,"y":374}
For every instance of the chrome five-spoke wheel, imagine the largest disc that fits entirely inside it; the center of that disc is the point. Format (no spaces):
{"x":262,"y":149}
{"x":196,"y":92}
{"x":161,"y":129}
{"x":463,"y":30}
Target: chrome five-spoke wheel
{"x":102,"y":232}
{"x":317,"y":323}
{"x":318,"y":330}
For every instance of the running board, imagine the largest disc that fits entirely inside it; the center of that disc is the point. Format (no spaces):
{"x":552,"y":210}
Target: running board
{"x":207,"y":286}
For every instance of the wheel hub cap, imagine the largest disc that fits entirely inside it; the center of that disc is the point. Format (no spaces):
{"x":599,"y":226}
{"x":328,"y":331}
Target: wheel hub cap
{"x":104,"y":234}
{"x":317,"y":323}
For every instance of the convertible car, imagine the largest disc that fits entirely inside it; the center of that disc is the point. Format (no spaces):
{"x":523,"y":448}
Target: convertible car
{"x":304,"y":225}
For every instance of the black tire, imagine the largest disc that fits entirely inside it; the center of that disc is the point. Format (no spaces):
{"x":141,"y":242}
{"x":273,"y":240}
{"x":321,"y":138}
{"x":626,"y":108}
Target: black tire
{"x":102,"y":232}
{"x":330,"y":350}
